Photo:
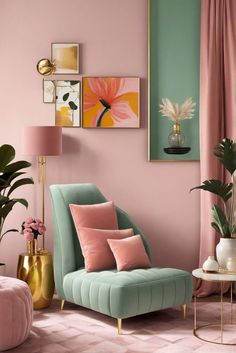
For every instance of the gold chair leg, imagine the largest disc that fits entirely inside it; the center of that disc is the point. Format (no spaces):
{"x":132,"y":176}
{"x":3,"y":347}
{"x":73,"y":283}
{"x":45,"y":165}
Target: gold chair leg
{"x":62,"y":303}
{"x":183,"y":308}
{"x":119,"y":326}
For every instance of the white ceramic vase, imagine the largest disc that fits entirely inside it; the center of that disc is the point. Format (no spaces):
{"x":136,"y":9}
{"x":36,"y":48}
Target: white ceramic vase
{"x":210,"y":265}
{"x":225,"y":248}
{"x":2,"y":269}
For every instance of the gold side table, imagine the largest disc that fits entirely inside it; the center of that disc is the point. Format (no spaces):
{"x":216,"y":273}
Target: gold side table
{"x":222,"y":276}
{"x":37,"y":271}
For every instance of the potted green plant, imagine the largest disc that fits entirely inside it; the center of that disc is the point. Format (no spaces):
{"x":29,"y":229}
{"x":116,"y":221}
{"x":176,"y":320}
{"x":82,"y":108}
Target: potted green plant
{"x":223,"y":213}
{"x":10,"y":179}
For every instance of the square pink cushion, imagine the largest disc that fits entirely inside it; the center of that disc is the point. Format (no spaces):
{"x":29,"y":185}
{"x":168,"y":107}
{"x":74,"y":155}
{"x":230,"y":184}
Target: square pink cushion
{"x":129,"y":253}
{"x":97,"y":253}
{"x":101,"y":215}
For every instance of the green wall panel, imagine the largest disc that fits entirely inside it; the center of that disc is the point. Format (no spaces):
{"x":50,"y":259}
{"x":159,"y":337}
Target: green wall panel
{"x":173,"y":71}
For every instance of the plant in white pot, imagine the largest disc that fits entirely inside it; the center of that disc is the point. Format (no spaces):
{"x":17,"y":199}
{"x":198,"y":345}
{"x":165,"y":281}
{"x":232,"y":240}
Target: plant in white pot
{"x":10,"y":179}
{"x":223,"y":214}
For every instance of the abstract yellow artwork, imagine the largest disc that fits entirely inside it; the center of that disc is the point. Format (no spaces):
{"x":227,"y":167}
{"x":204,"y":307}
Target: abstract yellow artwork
{"x":65,"y":57}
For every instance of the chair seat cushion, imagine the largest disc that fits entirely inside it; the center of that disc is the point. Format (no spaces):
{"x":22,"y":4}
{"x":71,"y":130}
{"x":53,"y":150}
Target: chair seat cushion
{"x":128,"y":293}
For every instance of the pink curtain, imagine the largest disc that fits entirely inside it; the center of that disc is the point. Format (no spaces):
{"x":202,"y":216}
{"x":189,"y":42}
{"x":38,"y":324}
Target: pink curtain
{"x":217,"y":109}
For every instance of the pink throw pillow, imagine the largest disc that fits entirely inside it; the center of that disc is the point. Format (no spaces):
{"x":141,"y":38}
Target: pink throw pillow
{"x":95,"y":248}
{"x":101,"y":215}
{"x":129,"y":253}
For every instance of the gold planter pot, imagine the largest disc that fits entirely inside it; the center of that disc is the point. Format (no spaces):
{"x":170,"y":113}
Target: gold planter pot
{"x":37,"y":271}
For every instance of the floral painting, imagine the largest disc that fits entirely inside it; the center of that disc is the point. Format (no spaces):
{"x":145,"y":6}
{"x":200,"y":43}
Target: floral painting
{"x":67,"y":103}
{"x":111,"y":102}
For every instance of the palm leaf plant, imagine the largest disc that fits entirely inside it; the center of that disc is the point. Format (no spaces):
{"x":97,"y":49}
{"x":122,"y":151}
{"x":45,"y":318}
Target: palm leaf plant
{"x":10,"y":179}
{"x":223,"y":215}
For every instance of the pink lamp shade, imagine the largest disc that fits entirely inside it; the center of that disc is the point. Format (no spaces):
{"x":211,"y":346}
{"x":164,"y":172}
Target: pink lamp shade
{"x":42,"y":140}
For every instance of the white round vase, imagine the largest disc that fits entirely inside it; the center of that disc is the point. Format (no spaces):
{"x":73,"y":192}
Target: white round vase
{"x":210,"y":265}
{"x":224,"y":249}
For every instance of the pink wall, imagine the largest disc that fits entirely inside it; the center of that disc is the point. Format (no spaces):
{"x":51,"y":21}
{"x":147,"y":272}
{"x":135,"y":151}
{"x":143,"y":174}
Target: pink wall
{"x":113,"y":38}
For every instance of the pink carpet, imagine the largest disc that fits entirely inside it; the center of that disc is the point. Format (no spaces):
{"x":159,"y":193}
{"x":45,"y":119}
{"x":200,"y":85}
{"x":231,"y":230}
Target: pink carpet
{"x":78,"y":330}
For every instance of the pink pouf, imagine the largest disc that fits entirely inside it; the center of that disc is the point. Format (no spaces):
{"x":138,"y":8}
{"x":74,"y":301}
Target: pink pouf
{"x":16,"y":312}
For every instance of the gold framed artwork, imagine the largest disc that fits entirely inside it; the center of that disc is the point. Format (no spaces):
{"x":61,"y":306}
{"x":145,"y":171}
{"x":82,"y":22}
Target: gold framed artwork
{"x":66,"y":95}
{"x":67,"y":103}
{"x":111,"y":102}
{"x":65,"y":57}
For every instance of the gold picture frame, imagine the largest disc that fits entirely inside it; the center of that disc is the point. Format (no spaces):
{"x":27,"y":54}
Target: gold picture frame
{"x":111,"y":102}
{"x":65,"y":57}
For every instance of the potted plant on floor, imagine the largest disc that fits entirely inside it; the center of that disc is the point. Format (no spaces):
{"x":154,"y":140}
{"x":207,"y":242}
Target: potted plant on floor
{"x":10,"y":180}
{"x":223,"y":214}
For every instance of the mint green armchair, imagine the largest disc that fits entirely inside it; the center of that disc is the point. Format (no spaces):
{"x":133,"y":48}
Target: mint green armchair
{"x":117,"y":294}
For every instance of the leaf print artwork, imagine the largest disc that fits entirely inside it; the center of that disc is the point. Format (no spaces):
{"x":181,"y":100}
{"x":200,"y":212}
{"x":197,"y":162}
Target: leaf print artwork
{"x":67,"y":103}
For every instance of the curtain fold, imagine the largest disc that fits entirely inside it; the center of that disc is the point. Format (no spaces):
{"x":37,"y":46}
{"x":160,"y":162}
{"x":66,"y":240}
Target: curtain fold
{"x":217,"y":110}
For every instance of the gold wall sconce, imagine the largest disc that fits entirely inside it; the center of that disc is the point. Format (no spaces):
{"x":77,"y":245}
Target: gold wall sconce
{"x":46,"y":67}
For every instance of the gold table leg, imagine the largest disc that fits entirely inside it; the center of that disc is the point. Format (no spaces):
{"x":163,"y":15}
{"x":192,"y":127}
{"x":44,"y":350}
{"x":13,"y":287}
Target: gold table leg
{"x":195,"y":312}
{"x":220,"y":325}
{"x":62,"y":304}
{"x":184,"y":308}
{"x":221,"y":312}
{"x":231,"y":303}
{"x":119,"y":326}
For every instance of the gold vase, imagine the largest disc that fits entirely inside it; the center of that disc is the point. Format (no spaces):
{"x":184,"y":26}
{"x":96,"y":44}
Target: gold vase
{"x":32,"y":247}
{"x":37,"y":271}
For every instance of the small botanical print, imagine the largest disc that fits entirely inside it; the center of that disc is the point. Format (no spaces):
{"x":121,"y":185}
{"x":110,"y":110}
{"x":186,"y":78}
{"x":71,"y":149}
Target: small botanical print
{"x":65,"y":57}
{"x":67,"y":103}
{"x":111,"y":102}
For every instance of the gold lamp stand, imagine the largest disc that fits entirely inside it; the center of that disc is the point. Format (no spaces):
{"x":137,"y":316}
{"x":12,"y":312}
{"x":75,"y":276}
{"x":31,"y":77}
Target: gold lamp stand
{"x":42,"y":179}
{"x":37,"y":268}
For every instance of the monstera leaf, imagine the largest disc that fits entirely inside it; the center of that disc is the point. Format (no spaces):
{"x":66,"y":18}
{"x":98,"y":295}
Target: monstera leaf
{"x":217,"y":187}
{"x":9,"y":181}
{"x":225,"y":151}
{"x":223,"y":223}
{"x":7,"y":154}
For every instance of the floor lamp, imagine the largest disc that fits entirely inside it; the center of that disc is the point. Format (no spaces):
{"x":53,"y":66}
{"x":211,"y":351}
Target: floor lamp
{"x":42,"y":141}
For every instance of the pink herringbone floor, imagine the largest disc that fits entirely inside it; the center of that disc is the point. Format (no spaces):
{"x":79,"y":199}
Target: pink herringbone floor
{"x":78,"y":330}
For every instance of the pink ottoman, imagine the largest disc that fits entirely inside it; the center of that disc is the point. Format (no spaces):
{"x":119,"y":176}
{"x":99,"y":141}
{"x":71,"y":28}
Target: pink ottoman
{"x":16,"y":312}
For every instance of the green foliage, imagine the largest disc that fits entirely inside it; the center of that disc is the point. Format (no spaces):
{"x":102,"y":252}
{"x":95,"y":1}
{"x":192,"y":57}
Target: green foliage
{"x":223,"y":220}
{"x":9,"y":181}
{"x":225,"y":151}
{"x":217,"y":187}
{"x":220,"y":224}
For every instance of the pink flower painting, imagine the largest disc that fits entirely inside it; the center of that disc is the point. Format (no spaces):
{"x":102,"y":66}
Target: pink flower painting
{"x":110,"y":102}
